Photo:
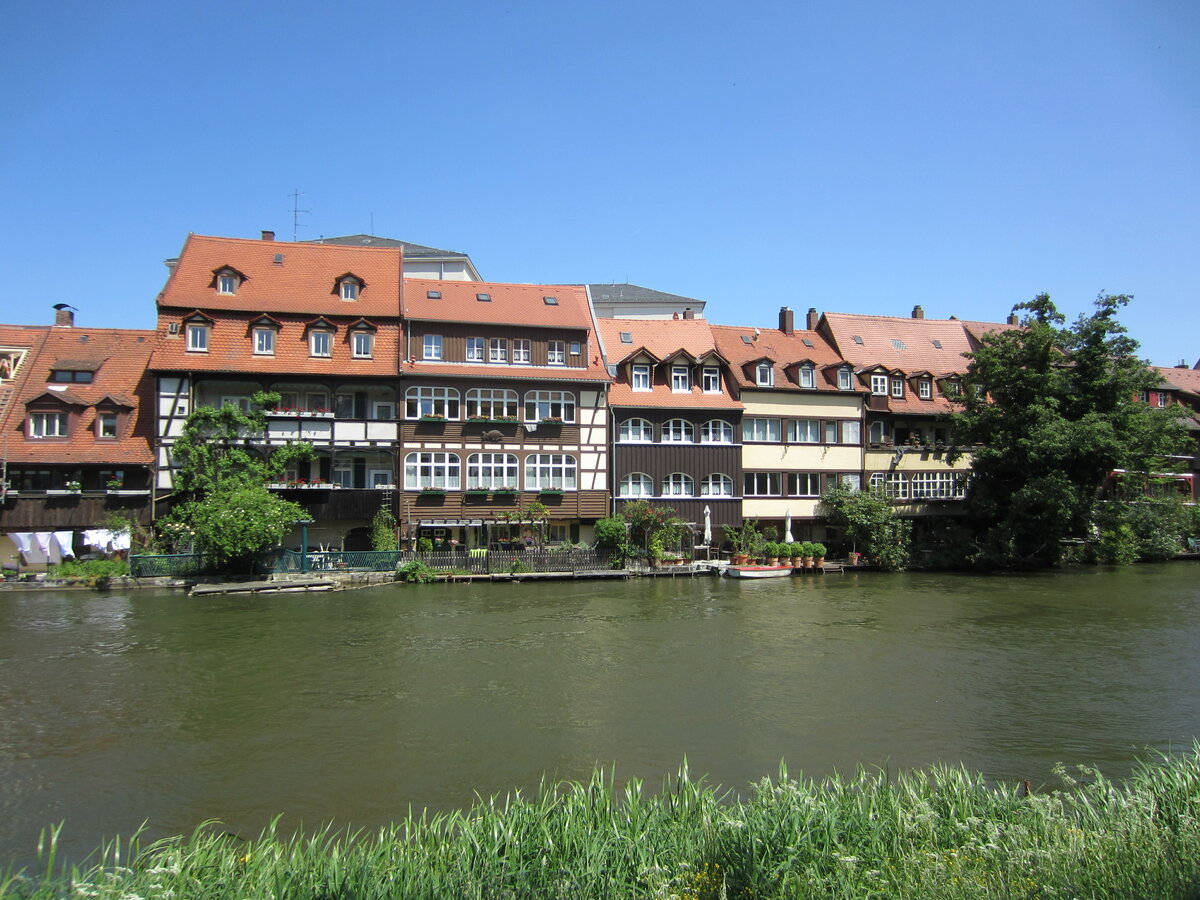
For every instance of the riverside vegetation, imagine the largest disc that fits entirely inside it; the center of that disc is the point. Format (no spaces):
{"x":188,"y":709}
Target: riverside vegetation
{"x":942,"y":833}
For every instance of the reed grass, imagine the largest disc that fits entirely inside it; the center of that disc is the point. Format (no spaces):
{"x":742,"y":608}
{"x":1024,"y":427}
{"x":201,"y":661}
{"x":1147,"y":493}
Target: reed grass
{"x":939,"y":833}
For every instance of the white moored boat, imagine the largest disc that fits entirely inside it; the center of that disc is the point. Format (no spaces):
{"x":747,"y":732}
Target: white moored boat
{"x":758,"y":571}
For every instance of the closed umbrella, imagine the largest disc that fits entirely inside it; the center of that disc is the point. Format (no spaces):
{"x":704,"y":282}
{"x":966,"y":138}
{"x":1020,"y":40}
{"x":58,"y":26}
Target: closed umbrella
{"x":787,"y":528}
{"x":707,"y":527}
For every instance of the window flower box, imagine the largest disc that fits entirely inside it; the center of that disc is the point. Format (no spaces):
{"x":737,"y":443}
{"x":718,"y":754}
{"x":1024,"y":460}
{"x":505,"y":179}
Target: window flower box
{"x":289,"y":412}
{"x":432,"y":491}
{"x":432,"y":418}
{"x":385,"y":487}
{"x":550,"y":492}
{"x":552,"y":420}
{"x":59,"y":492}
{"x":477,"y":492}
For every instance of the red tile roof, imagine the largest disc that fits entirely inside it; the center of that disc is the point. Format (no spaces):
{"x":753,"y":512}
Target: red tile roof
{"x":510,"y":304}
{"x":901,"y":344}
{"x":305,"y":281}
{"x":1185,"y":380}
{"x":663,"y":339}
{"x":742,"y":346}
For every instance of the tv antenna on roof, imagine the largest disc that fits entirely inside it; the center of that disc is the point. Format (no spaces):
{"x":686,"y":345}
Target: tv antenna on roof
{"x":296,"y":194}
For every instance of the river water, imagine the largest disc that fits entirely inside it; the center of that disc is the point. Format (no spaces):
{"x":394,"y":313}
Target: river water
{"x":121,"y":708}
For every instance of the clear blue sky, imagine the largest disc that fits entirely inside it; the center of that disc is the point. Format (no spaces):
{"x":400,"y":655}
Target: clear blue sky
{"x":853,"y":156}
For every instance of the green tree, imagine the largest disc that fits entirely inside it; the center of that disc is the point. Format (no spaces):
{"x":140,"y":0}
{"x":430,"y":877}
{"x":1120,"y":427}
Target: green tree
{"x":870,"y":523}
{"x":237,"y":521}
{"x":1049,"y":411}
{"x":652,"y":529}
{"x":383,"y":530}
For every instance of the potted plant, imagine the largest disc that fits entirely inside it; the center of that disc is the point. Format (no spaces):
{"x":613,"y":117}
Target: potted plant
{"x":806,"y":554}
{"x":744,"y":541}
{"x":818,"y":550}
{"x":74,"y":487}
{"x":796,"y":549}
{"x":115,"y":484}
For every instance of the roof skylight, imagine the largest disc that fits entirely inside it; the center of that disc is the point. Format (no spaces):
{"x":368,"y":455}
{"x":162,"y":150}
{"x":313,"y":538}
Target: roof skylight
{"x":434,"y":295}
{"x":626,"y":337}
{"x":937,"y":344}
{"x":857,"y":338}
{"x":898,"y":344}
{"x":484,"y":298}
{"x":550,"y":301}
{"x":807,"y":343}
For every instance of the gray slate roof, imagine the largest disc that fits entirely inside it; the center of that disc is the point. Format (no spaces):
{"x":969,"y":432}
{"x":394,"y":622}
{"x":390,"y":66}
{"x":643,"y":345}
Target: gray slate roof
{"x":411,"y":251}
{"x":633,"y":293}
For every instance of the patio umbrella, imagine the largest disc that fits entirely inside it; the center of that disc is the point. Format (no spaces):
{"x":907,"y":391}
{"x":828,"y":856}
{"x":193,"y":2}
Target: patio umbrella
{"x":787,"y":528}
{"x":707,"y":527}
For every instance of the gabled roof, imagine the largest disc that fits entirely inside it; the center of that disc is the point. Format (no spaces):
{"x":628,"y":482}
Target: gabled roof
{"x":299,"y":283}
{"x":411,"y":250}
{"x":633,"y":294}
{"x":510,"y":304}
{"x":663,"y":339}
{"x":900,"y":343}
{"x":744,"y":346}
{"x":1183,"y":380}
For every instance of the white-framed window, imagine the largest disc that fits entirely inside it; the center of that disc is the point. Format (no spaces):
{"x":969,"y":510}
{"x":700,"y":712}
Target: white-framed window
{"x":804,"y":484}
{"x":264,"y":341}
{"x":635,"y":431}
{"x":320,"y":343}
{"x":679,"y":431}
{"x":897,"y":386}
{"x":681,"y":378}
{"x":550,"y":472}
{"x":549,"y":405}
{"x":378,"y":478}
{"x":754,"y":429}
{"x":47,"y":424}
{"x":521,"y":352}
{"x":432,"y":470}
{"x":342,"y":474}
{"x":879,"y":385}
{"x":474,"y":349}
{"x":925,"y":389}
{"x":843,"y":380}
{"x":383,"y":411}
{"x":636,"y":484}
{"x":641,"y":377}
{"x":761,"y":484}
{"x":808,"y":377}
{"x":677,"y":484}
{"x":895,"y":485}
{"x":878,"y":432}
{"x":432,"y":346}
{"x":575,"y":348}
{"x":716,"y":485}
{"x":349,"y":289}
{"x":556,"y":353}
{"x":939,"y":485}
{"x":851,"y":481}
{"x":362,"y":344}
{"x":851,"y":431}
{"x":804,"y":431}
{"x":431,"y":401}
{"x":197,"y":338}
{"x":710,"y":377}
{"x":498,"y":350}
{"x":716,"y":431}
{"x":227,"y":283}
{"x":106,"y":425}
{"x":764,"y":374}
{"x":491,"y":471}
{"x":491,"y":403}
{"x":1158,"y":398}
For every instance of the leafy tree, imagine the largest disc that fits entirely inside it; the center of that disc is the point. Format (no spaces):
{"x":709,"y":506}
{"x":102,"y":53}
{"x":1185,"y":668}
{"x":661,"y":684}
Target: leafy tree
{"x":1050,"y":411}
{"x":652,"y":529}
{"x":535,"y":514}
{"x":610,"y":532}
{"x":871,"y":523}
{"x":237,"y":521}
{"x":383,"y":530}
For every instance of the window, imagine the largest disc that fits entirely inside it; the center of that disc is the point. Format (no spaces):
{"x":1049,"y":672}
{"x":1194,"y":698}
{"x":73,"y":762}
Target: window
{"x":550,"y":472}
{"x":320,"y":343}
{"x":491,"y":403}
{"x":851,"y":481}
{"x":939,"y":485}
{"x":431,"y":401}
{"x":878,"y":432}
{"x":498,"y":350}
{"x":678,"y":485}
{"x":317,"y":401}
{"x":106,"y":425}
{"x":641,"y":377}
{"x":925,"y":389}
{"x":491,"y":471}
{"x":710,"y":377}
{"x":1158,"y":398}
{"x":73,"y":376}
{"x":521,"y":352}
{"x":851,"y":431}
{"x":760,"y":430}
{"x":761,"y":484}
{"x":549,"y":405}
{"x":474,"y":349}
{"x":575,"y":348}
{"x":227,"y":283}
{"x":807,"y":377}
{"x":804,"y":484}
{"x":679,"y":431}
{"x":804,"y":431}
{"x":264,"y":341}
{"x":431,"y":470}
{"x":843,"y":378}
{"x":556,"y":353}
{"x":716,"y":485}
{"x":197,"y":338}
{"x":879,"y":385}
{"x":681,"y":378}
{"x":432,"y":346}
{"x":47,"y":424}
{"x":636,"y":484}
{"x":362,"y":344}
{"x":893,"y":485}
{"x":831,"y":432}
{"x":343,"y":406}
{"x":635,"y":431}
{"x":716,"y":431}
{"x":383,"y":411}
{"x":897,"y":386}
{"x":349,"y":289}
{"x":237,"y":402}
{"x":764,"y":375}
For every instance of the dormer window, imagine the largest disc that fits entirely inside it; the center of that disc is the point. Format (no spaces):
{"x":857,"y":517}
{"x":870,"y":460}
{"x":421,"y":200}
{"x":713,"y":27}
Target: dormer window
{"x":681,"y":379}
{"x":47,"y":425}
{"x":264,"y":341}
{"x":807,"y":377}
{"x":764,"y":375}
{"x":106,"y":425}
{"x":925,"y":389}
{"x":349,"y":289}
{"x":843,"y":380}
{"x":197,"y":337}
{"x":711,"y":377}
{"x":71,"y":376}
{"x":897,"y":386}
{"x":227,"y":283}
{"x":320,"y":343}
{"x":640,"y":380}
{"x":879,"y":385}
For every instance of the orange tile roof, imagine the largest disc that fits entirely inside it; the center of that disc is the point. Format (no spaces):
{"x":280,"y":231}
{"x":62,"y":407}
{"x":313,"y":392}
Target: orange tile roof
{"x":661,"y":337}
{"x":660,"y":396}
{"x":511,"y":304}
{"x":303,"y":282}
{"x":783,"y":350}
{"x":119,"y":358}
{"x":1186,"y":380}
{"x":901,"y":344}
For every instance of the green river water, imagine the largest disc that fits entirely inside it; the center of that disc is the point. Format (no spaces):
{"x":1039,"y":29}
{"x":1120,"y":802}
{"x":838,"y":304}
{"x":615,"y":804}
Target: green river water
{"x":351,"y":707}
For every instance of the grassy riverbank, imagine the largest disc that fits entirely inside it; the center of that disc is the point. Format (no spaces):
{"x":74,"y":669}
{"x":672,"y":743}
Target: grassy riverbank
{"x":937,"y":834}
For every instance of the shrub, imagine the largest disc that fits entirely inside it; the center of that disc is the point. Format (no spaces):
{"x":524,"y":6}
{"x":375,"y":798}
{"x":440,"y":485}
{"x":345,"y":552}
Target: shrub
{"x":416,"y":572}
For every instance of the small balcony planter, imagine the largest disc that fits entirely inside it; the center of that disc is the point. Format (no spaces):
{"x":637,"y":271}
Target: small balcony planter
{"x":433,"y":492}
{"x":384,"y":487}
{"x":550,"y":492}
{"x":551,"y":420}
{"x":432,"y":418}
{"x":477,"y":492}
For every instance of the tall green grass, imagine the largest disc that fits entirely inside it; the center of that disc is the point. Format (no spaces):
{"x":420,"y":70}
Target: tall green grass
{"x":942,"y":833}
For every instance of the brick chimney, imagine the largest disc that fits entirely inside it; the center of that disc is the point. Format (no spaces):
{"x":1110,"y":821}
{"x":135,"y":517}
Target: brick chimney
{"x":64,"y":315}
{"x":1012,"y":319}
{"x":918,"y":312}
{"x":813,"y":318}
{"x":268,"y":235}
{"x":689,"y":313}
{"x":787,"y":320}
